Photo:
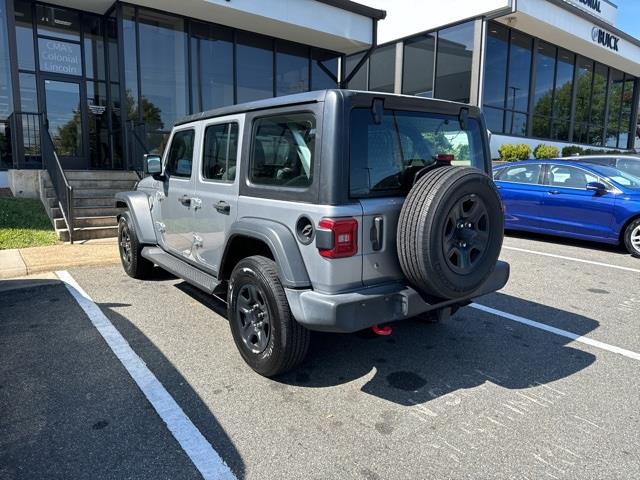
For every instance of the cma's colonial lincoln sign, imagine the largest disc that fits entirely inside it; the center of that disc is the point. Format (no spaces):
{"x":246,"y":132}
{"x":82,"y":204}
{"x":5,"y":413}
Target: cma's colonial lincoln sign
{"x":60,"y":57}
{"x":605,"y":39}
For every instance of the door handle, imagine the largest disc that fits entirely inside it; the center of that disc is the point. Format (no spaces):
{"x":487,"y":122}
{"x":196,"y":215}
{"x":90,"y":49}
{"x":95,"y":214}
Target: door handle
{"x":553,"y":192}
{"x":377,"y":233}
{"x":222,"y":207}
{"x":185,"y":200}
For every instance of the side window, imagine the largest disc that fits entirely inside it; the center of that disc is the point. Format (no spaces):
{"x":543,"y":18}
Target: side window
{"x":283,"y":150}
{"x":220,"y":152}
{"x":521,"y":174}
{"x":569,"y":177}
{"x":180,"y":156}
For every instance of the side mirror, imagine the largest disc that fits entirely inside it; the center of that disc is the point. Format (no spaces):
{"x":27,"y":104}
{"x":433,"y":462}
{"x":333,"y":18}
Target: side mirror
{"x":152,"y":164}
{"x":597,"y":187}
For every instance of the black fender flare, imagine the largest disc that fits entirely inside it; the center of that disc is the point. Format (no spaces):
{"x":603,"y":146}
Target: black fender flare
{"x":282,"y":244}
{"x":140,"y":212}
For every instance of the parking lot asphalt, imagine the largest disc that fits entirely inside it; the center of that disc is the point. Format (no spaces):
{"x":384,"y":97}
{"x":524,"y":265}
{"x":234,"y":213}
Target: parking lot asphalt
{"x":477,"y":396}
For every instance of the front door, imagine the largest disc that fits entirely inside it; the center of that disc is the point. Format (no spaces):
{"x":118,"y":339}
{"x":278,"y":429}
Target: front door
{"x":65,"y":116}
{"x":174,"y":205}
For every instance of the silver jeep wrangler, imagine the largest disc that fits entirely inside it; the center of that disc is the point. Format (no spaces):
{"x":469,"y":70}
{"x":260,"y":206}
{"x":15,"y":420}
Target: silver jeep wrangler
{"x":335,"y":211}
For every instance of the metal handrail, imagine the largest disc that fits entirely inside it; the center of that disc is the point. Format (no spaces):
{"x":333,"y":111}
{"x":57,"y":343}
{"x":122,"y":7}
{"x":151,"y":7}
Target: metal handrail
{"x":133,"y":125}
{"x":62,"y":187}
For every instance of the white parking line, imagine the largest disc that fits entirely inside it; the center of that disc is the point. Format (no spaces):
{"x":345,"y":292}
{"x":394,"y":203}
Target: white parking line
{"x":199,"y":450}
{"x":558,"y":331}
{"x":562,"y":257}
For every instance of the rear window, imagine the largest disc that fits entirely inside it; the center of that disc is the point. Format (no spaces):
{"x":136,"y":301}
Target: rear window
{"x":385,"y":156}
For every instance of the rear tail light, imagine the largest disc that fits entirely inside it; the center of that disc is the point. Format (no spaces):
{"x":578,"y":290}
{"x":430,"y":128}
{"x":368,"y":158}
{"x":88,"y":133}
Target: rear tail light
{"x":445,"y":157}
{"x":337,"y":237}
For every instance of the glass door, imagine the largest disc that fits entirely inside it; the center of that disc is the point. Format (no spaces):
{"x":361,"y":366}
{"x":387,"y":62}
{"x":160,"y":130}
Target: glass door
{"x":65,"y":116}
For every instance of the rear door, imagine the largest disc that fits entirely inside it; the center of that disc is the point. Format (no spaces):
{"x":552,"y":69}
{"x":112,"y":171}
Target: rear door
{"x":384,"y":155}
{"x":217,"y":189}
{"x":173,"y":205}
{"x":568,"y":207}
{"x":521,"y":190}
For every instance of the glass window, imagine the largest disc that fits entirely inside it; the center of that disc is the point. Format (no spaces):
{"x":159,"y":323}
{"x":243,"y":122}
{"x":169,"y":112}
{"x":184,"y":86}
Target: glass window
{"x":94,"y":49}
{"x":385,"y":154}
{"x":519,"y":72}
{"x":220,"y":152}
{"x":58,"y":22}
{"x":283,"y":150}
{"x":569,"y":177}
{"x":564,"y":84}
{"x":516,"y":123}
{"x":382,"y":68}
{"x":112,"y":49}
{"x":521,"y":174}
{"x":495,"y":75}
{"x":616,"y":86}
{"x":584,"y":79}
{"x":292,"y":67}
{"x":24,"y":35}
{"x":6,"y":98}
{"x":543,"y":83}
{"x":98,"y":125}
{"x":255,"y":67}
{"x":598,"y":104}
{"x":418,"y":65}
{"x":360,"y":79}
{"x":211,"y":66}
{"x":494,"y":118}
{"x":324,"y":69}
{"x":130,"y":62}
{"x":454,"y":62}
{"x":627,"y":106}
{"x":163,"y":69}
{"x":28,"y":93}
{"x":180,"y":156}
{"x":64,"y":117}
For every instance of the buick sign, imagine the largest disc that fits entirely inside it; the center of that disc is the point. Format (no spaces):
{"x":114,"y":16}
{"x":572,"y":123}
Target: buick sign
{"x":605,"y":39}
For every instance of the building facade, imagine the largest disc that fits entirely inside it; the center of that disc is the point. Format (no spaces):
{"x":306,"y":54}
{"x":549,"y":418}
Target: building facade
{"x":543,"y":71}
{"x":107,"y":80}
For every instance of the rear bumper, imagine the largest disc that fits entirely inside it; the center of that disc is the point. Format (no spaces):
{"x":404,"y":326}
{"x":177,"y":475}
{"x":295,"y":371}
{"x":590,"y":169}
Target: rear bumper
{"x":353,"y":311}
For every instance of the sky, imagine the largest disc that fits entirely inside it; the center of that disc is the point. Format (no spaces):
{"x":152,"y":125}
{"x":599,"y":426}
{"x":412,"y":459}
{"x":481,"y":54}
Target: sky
{"x":629,"y":16}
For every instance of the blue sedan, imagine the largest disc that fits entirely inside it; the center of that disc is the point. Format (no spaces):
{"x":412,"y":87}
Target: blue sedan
{"x":571,"y":199}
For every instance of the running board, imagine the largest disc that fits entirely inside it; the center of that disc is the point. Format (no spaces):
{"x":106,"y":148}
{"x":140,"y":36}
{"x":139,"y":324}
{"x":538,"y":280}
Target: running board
{"x":181,"y":269}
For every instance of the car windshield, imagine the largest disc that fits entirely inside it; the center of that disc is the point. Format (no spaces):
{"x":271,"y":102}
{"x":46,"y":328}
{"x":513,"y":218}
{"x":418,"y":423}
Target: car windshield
{"x":386,"y":154}
{"x":616,"y":175}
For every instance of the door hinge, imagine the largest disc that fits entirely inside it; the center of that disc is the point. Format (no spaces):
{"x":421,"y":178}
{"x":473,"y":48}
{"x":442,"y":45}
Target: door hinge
{"x":197,"y":241}
{"x":161,"y":227}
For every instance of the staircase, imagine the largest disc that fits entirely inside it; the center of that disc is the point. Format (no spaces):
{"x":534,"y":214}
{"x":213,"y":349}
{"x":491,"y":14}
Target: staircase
{"x":93,"y":204}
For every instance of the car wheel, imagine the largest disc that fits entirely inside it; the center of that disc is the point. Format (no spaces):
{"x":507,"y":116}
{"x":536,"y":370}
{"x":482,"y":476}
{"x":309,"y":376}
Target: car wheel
{"x":269,"y":339}
{"x":130,"y":249}
{"x":450,"y":232}
{"x":632,"y":238}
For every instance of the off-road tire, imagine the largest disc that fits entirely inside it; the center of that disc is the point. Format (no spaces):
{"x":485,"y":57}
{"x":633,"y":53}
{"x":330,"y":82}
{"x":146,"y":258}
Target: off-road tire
{"x":630,"y":233}
{"x":425,"y":220}
{"x":134,"y":264}
{"x":288,"y":341}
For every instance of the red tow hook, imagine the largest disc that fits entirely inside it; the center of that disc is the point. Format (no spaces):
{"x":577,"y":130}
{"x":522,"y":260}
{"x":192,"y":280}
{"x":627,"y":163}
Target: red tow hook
{"x":384,"y":331}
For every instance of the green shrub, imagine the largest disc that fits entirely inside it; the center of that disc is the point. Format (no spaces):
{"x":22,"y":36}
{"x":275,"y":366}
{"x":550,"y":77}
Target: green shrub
{"x":512,"y":152}
{"x":572,"y":150}
{"x":546,"y":151}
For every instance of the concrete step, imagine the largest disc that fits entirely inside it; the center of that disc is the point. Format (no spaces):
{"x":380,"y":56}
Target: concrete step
{"x":122,"y":185}
{"x":100,"y":175}
{"x":88,"y":192}
{"x":84,"y":222}
{"x":88,"y":233}
{"x":102,"y":201}
{"x":89,"y":212}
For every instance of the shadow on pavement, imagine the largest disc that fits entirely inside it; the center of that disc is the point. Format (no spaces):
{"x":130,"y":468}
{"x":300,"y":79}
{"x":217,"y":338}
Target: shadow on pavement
{"x":421,"y":362}
{"x":69,"y":409}
{"x":573,"y":242}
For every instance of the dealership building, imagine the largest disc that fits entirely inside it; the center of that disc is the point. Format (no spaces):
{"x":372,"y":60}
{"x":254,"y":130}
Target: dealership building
{"x":104,"y":82}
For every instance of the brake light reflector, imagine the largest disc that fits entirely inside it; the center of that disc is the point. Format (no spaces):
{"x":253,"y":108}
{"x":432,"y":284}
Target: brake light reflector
{"x":344,"y":237}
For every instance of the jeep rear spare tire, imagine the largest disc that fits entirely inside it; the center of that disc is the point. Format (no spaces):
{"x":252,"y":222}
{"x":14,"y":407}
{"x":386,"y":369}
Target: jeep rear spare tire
{"x":450,"y":232}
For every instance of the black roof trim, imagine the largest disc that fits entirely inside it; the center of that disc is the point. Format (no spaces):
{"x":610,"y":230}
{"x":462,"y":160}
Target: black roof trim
{"x":267,"y":103}
{"x":358,"y":8}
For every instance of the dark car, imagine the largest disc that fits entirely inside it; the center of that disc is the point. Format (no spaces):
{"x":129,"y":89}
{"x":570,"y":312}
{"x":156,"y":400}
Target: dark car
{"x":572,"y":199}
{"x":627,"y":163}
